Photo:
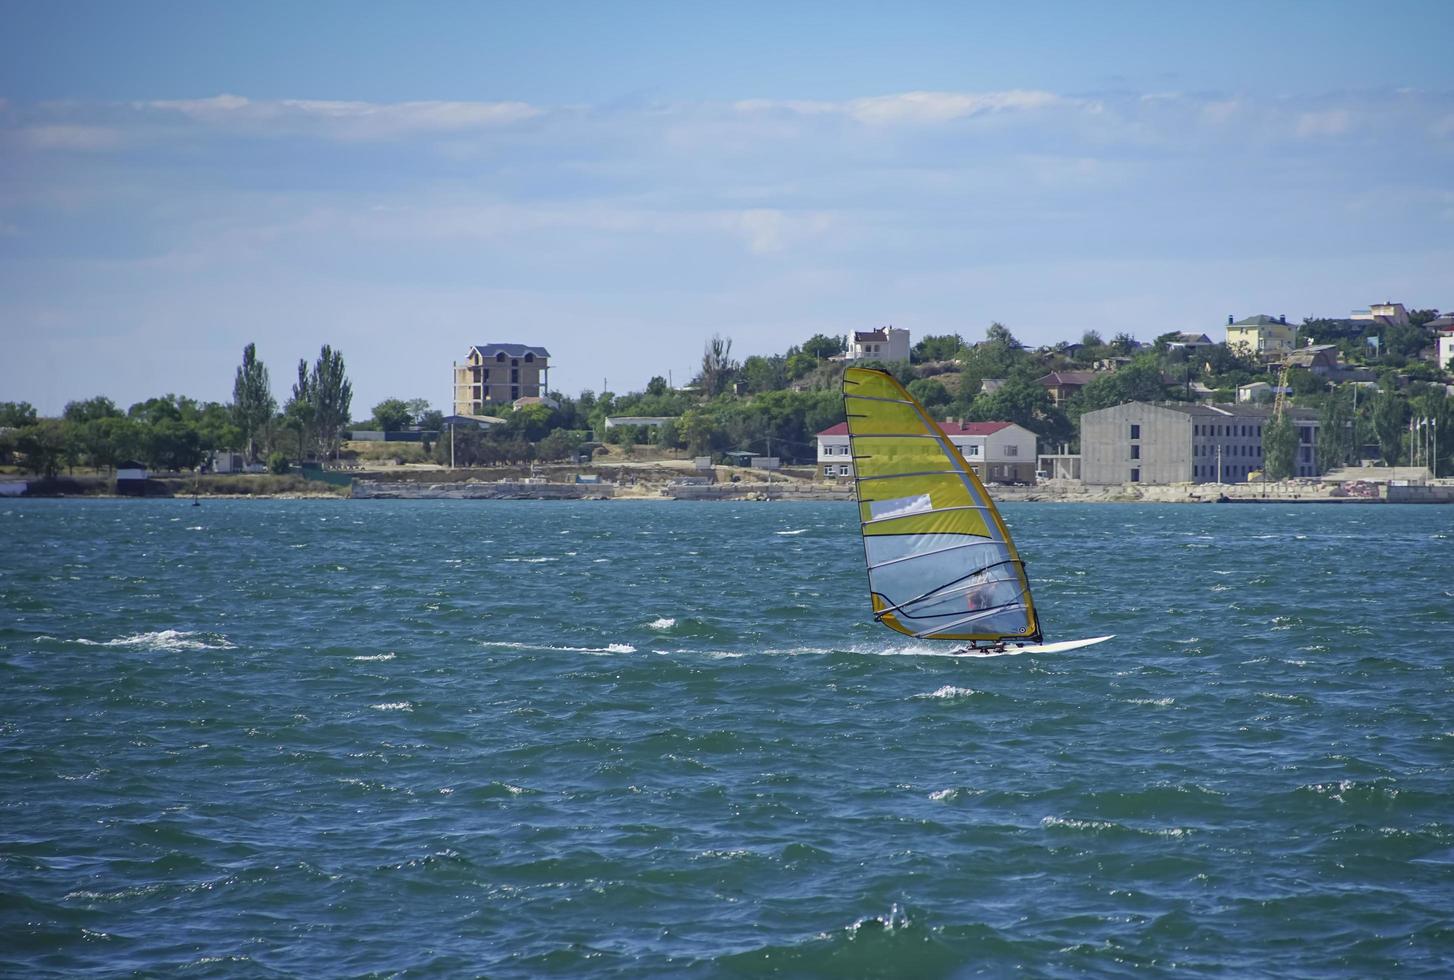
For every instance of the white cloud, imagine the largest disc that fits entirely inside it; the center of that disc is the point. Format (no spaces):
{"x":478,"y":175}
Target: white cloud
{"x":347,"y":120}
{"x":1331,"y":122}
{"x":916,"y":107}
{"x":69,"y":137}
{"x":767,"y":230}
{"x":933,"y":107}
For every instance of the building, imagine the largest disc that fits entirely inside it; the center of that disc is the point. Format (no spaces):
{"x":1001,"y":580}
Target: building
{"x":1262,"y":334}
{"x":1063,"y":384}
{"x":1000,"y":452}
{"x":499,"y":373}
{"x":1190,"y":341}
{"x":1388,"y":314}
{"x":1180,"y":442}
{"x":884,"y":344}
{"x":1321,"y":359}
{"x":1443,"y":328}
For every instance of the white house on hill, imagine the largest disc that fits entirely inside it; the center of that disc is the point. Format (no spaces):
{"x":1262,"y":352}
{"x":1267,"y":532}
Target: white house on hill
{"x":884,"y":344}
{"x":1000,"y":452}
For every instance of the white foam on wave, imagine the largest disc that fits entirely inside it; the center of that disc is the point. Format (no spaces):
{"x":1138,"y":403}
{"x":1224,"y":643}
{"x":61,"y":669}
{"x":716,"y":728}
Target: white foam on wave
{"x":949,"y":691}
{"x":661,"y":623}
{"x":513,"y":645}
{"x":393,"y":706}
{"x":374,"y":657}
{"x":1158,"y":702}
{"x":944,"y":794}
{"x":1071,"y":823}
{"x":166,"y":640}
{"x":801,"y":530}
{"x":532,"y":561}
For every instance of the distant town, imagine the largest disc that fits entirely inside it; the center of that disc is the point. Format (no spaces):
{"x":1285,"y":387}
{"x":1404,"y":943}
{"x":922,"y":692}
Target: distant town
{"x":1255,"y":399}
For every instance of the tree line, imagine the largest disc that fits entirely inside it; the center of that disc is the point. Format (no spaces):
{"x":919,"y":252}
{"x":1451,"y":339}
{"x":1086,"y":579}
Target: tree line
{"x":174,"y":432}
{"x":771,"y":404}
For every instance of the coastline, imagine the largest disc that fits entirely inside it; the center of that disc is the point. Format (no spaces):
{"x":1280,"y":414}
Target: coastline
{"x":746,"y":488}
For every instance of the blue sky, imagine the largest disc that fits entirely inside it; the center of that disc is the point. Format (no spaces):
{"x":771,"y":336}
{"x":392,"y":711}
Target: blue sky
{"x":618,"y":182}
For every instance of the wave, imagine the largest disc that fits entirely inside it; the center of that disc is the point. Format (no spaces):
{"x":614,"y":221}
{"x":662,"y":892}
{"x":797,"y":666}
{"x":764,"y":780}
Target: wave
{"x":801,"y":530}
{"x":543,"y":647}
{"x":949,"y":691}
{"x":661,"y":623}
{"x":374,"y":657}
{"x":167,"y":640}
{"x":393,"y":706}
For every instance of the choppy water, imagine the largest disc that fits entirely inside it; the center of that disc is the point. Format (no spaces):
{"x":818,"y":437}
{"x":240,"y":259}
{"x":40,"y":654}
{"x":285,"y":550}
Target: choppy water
{"x":334,"y":737}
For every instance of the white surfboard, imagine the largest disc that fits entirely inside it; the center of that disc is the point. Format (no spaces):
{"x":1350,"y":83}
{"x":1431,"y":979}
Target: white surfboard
{"x":1060,"y":647}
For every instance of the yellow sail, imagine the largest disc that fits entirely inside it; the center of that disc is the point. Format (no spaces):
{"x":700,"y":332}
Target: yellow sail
{"x":941,"y":564}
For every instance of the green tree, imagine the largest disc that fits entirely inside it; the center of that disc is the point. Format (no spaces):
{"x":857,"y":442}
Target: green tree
{"x":44,"y":446}
{"x":331,"y":395}
{"x":170,"y":444}
{"x":392,"y":415}
{"x":107,"y":440}
{"x":1304,"y":382}
{"x":1336,"y":431}
{"x":1389,"y":418}
{"x":252,"y":398}
{"x":1025,"y":403}
{"x":91,"y":409}
{"x":417,"y":407}
{"x":821,"y":346}
{"x":936,"y":347}
{"x":559,"y":444}
{"x":764,"y":373}
{"x":998,"y":356}
{"x":1123,"y":344}
{"x":529,"y":422}
{"x":1139,"y":381}
{"x":298,"y":413}
{"x":666,"y":435}
{"x":657,"y":386}
{"x":16,"y":414}
{"x":931,"y":393}
{"x":1279,"y":448}
{"x":717,"y":366}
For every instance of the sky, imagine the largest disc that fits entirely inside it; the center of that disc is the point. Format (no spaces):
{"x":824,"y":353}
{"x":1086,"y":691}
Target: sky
{"x":619,"y":182}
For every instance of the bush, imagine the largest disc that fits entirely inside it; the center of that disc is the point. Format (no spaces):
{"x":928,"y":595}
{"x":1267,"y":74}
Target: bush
{"x":277,"y":463}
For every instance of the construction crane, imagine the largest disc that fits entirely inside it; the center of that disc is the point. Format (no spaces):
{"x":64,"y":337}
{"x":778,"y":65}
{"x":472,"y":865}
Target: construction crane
{"x":1279,"y":400}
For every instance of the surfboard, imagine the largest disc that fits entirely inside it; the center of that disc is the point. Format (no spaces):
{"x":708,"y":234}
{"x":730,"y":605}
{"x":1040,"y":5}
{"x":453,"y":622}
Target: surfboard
{"x":1060,"y":647}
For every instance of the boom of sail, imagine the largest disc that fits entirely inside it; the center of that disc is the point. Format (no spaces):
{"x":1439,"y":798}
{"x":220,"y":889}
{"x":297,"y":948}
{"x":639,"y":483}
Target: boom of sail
{"x":941,"y":564}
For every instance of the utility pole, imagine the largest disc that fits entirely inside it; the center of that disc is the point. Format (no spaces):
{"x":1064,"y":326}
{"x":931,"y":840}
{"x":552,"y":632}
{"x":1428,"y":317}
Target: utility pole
{"x":1219,"y":463}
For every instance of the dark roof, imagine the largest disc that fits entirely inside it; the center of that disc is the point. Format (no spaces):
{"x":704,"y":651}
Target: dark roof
{"x":1261,"y":320}
{"x":1067,"y":378}
{"x":860,"y":336}
{"x":1445,"y":322}
{"x":510,"y":350}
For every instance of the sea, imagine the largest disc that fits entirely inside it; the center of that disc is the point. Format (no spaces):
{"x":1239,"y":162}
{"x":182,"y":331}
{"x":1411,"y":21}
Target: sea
{"x":637,"y":739}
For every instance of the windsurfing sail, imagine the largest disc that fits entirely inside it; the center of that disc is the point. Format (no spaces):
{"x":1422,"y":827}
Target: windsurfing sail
{"x":941,"y":564}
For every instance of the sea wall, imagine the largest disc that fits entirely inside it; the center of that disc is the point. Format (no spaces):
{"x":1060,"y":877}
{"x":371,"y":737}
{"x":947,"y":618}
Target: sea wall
{"x":1432,"y":493}
{"x":467,"y":490}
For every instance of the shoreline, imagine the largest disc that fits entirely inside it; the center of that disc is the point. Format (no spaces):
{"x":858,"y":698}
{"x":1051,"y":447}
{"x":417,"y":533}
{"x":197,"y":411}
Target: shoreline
{"x":788,"y":489}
